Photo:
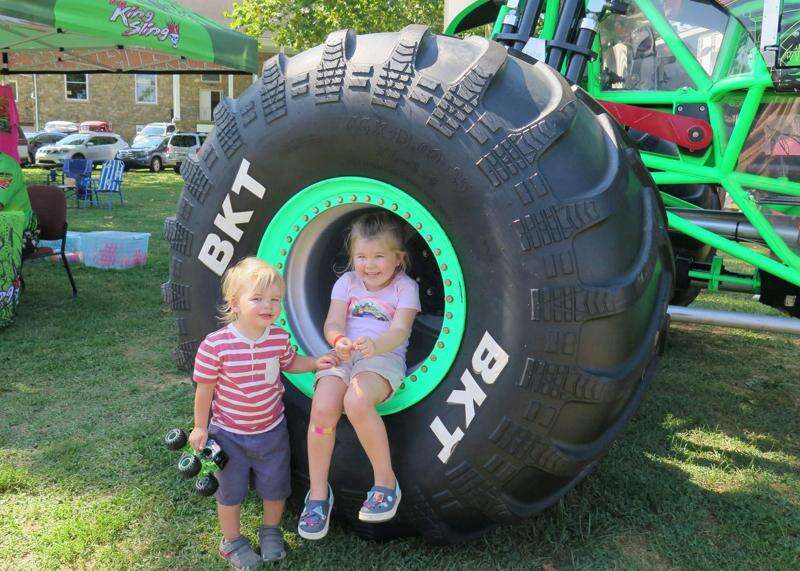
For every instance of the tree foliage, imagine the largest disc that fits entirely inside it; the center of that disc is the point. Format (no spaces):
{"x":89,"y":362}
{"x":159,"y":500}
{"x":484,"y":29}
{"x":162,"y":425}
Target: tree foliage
{"x":299,"y":24}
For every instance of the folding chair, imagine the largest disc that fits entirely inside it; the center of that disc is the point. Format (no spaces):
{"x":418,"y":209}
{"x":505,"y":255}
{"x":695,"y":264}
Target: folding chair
{"x":110,"y":182}
{"x":50,"y":206}
{"x":52,"y":176}
{"x":81,"y":171}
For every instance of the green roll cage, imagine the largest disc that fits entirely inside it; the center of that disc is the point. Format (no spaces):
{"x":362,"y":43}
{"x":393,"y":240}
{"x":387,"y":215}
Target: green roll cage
{"x":717,"y":165}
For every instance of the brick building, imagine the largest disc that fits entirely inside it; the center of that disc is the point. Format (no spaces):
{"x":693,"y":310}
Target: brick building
{"x":129,"y":101}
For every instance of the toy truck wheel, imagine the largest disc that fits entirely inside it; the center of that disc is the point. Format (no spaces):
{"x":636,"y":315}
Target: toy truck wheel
{"x":544,"y":263}
{"x":207,"y":485}
{"x":218,"y":457}
{"x":176,"y":439}
{"x":189,"y":466}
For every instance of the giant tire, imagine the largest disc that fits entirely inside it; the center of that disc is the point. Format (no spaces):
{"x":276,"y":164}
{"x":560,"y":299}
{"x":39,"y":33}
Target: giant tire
{"x":560,"y":233}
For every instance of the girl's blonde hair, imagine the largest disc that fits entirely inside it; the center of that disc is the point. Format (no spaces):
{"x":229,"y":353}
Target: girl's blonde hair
{"x":247,"y":273}
{"x":378,"y":225}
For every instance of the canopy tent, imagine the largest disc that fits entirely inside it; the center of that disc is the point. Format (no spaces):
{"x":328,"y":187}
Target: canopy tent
{"x":101,"y":36}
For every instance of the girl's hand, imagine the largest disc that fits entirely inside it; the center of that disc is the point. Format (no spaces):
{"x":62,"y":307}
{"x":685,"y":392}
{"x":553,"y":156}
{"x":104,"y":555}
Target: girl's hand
{"x":365,"y":345}
{"x":198,"y":438}
{"x":327,"y":361}
{"x":343,"y":348}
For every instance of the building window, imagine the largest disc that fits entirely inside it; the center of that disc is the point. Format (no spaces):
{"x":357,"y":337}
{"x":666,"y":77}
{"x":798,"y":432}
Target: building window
{"x":210,"y":77}
{"x":146,"y":91}
{"x":76,"y":86}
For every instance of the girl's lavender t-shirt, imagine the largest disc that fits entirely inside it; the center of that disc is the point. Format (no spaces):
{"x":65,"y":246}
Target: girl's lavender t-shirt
{"x":369,"y":313}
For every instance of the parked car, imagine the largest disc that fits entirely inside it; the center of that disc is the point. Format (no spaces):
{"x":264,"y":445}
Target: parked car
{"x":97,"y":126}
{"x":154,"y":130}
{"x":40,"y":139}
{"x":145,"y":153}
{"x":181,"y":145}
{"x":61,"y":126}
{"x":22,"y":147}
{"x":97,"y":147}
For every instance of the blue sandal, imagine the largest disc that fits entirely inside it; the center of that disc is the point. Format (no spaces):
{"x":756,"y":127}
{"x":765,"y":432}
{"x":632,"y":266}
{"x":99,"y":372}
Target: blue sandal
{"x":315,"y":518}
{"x":381,"y":504}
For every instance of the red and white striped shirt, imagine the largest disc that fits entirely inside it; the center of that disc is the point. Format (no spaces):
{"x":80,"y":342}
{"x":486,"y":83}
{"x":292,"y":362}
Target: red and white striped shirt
{"x":248,"y":396}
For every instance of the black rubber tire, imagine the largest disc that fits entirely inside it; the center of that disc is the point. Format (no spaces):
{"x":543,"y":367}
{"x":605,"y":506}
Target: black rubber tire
{"x":77,"y":156}
{"x":176,"y":439}
{"x":189,"y":466}
{"x":705,"y":196}
{"x":559,"y":229}
{"x":207,"y":485}
{"x":177,"y":168}
{"x":156,"y":165}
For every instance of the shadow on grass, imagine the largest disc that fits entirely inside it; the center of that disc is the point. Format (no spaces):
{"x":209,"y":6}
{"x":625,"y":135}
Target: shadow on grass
{"x":743,"y":384}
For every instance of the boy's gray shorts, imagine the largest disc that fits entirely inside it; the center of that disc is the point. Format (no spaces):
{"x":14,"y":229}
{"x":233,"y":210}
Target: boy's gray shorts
{"x":263,"y":456}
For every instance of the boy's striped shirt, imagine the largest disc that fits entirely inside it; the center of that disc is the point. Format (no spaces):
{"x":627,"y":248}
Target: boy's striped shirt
{"x":248,"y":396}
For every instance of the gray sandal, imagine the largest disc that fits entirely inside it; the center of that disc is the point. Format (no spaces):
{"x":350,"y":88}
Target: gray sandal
{"x":271,"y":541}
{"x":239,"y":553}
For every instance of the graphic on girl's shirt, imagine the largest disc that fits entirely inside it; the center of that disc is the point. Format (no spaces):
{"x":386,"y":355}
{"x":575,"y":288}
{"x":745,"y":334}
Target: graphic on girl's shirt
{"x":372,"y":308}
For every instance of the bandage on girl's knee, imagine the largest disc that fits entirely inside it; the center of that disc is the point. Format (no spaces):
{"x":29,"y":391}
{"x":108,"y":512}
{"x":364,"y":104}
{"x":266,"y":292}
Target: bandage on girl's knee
{"x":323,"y":430}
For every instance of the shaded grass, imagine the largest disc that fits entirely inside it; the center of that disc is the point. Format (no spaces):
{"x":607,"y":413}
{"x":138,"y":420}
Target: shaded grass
{"x":706,"y":476}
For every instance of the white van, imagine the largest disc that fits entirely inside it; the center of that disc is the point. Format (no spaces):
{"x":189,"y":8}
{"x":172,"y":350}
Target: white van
{"x":181,"y":145}
{"x":153,"y":130}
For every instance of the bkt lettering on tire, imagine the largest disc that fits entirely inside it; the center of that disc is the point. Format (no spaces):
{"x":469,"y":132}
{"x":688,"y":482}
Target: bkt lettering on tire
{"x":488,"y":362}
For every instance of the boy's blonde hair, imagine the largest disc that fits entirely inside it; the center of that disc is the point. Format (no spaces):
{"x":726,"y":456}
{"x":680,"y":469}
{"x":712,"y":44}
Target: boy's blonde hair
{"x":247,"y":273}
{"x":375,"y":225}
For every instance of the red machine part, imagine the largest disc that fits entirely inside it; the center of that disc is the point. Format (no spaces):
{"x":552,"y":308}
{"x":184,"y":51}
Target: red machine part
{"x":786,"y":146}
{"x":687,"y":132}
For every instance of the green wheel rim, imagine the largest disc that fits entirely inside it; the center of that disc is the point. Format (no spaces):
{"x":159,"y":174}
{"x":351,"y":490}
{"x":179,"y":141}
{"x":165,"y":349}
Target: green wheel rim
{"x":328,"y":195}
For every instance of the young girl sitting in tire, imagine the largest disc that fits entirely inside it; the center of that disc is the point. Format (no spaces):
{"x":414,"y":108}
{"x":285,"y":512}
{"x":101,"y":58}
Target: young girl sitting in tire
{"x":237,"y":371}
{"x":369,"y":321}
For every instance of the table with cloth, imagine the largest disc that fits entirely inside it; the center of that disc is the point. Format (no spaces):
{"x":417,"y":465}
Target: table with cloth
{"x":12,"y":225}
{"x":17,"y":226}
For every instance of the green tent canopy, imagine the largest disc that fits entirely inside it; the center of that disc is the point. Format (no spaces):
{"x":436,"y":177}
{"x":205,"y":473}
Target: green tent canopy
{"x":154,"y":36}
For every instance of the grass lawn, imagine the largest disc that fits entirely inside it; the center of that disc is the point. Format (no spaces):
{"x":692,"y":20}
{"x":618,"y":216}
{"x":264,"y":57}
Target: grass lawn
{"x":706,"y":476}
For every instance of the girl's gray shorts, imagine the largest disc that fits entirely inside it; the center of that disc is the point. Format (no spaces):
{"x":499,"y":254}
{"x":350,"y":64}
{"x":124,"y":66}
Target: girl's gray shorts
{"x":390,"y":366}
{"x":263,"y":457}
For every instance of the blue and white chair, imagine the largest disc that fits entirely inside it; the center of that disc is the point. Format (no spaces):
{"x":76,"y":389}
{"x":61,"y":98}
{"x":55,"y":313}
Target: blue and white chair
{"x":79,"y":170}
{"x":110,"y":182}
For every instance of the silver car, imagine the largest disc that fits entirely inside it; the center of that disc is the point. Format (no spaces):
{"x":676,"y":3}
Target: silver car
{"x":181,"y":145}
{"x":97,"y":147}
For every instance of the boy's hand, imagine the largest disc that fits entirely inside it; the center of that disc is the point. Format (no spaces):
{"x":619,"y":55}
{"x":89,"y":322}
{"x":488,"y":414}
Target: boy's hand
{"x":365,"y":345}
{"x":198,"y":438}
{"x":343,"y":348}
{"x":327,"y":361}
